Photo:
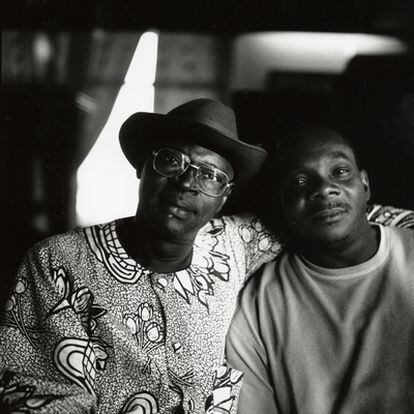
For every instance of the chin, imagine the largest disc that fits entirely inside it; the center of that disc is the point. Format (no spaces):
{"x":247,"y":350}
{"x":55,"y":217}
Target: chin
{"x":329,"y":235}
{"x":332,"y":238}
{"x":170,"y":226}
{"x":173,"y":226}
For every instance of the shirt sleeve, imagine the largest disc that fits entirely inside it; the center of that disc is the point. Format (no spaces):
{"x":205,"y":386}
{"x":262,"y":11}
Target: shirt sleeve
{"x":390,"y":216}
{"x":245,"y":352}
{"x":46,"y":356}
{"x":259,"y":244}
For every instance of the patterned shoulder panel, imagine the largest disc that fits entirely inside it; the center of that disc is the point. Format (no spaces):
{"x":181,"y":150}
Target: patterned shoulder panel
{"x":252,"y":239}
{"x":251,"y":228}
{"x":104,"y":243}
{"x":391,"y":216}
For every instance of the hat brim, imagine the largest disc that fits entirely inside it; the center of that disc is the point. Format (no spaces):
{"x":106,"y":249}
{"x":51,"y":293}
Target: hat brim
{"x":142,"y":132}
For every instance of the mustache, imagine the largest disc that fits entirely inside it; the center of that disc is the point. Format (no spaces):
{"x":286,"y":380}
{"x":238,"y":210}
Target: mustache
{"x":320,"y":207}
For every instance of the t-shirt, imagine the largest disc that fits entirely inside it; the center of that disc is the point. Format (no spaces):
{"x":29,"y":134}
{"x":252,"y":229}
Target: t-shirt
{"x":312,"y":340}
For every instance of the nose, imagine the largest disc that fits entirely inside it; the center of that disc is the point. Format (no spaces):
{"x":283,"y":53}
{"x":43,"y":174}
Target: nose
{"x":324,"y":187}
{"x":188,"y":179}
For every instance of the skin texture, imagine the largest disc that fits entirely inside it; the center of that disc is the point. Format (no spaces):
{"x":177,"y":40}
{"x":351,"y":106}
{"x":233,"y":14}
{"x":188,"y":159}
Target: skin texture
{"x":324,"y":197}
{"x":171,"y":211}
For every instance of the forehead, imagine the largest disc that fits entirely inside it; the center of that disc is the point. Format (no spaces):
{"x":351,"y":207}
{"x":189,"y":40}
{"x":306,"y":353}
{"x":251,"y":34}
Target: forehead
{"x":317,"y":146}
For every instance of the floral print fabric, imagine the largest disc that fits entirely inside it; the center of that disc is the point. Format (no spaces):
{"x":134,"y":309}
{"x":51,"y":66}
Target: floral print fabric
{"x":88,"y":329}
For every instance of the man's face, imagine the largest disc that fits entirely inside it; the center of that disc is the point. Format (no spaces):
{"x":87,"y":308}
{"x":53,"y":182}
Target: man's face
{"x":323,"y":193}
{"x":175,"y":207}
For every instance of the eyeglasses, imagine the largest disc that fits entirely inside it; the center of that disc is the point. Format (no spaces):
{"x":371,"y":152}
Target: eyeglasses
{"x":172,"y":163}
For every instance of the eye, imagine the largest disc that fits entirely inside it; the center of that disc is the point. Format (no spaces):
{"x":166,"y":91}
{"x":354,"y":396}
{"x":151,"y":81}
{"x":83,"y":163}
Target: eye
{"x":298,"y":181}
{"x":211,"y":176}
{"x":341,"y":171}
{"x":171,"y":159}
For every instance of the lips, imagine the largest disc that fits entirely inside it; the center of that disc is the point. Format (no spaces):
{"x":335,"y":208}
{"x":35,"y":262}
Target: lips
{"x":177,"y":208}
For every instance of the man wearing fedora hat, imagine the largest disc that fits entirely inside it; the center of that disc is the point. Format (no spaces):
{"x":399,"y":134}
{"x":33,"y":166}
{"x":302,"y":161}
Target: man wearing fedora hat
{"x":131,"y":316}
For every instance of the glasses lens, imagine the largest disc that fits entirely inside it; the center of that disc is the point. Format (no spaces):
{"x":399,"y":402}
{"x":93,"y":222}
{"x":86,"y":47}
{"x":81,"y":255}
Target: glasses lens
{"x":169,"y":163}
{"x":212,"y":182}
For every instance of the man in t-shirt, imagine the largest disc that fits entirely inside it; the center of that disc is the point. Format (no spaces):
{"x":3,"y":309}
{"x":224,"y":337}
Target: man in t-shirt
{"x":329,"y":326}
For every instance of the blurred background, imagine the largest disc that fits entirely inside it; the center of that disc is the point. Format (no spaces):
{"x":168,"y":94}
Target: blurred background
{"x":72,"y":72}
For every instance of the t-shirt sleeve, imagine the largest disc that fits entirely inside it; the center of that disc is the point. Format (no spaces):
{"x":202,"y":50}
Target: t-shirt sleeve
{"x":34,"y":346}
{"x":245,"y":352}
{"x":390,"y":216}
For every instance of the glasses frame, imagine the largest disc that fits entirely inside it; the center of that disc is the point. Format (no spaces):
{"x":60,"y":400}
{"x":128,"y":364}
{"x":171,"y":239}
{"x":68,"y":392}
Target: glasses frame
{"x":196,"y":167}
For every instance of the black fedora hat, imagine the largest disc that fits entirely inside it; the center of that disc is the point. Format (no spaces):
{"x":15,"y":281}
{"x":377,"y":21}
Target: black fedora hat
{"x":205,"y":122}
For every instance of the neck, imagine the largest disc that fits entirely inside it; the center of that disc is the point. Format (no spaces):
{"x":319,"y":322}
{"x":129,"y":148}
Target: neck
{"x":350,"y":251}
{"x":154,"y":251}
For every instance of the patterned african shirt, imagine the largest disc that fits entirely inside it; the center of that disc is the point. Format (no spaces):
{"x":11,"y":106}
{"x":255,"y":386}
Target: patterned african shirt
{"x":88,"y":329}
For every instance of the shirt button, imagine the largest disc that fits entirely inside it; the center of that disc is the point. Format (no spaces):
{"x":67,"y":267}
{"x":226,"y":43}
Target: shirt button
{"x":176,"y":347}
{"x":162,"y":281}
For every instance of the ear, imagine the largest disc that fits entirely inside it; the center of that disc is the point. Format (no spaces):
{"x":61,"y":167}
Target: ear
{"x":140,"y":165}
{"x":365,"y":181}
{"x":225,"y":196}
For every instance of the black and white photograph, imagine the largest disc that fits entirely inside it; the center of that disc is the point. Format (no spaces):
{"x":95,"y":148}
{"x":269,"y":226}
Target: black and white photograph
{"x":208,"y":207}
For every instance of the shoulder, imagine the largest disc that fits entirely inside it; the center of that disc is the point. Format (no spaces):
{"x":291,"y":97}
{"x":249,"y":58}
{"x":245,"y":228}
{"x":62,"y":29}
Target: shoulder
{"x":249,"y":228}
{"x":68,"y":245}
{"x":256,"y":302}
{"x":260,"y":283}
{"x":397,"y":243}
{"x":241,"y":226}
{"x":58,"y":242}
{"x":405,"y":236}
{"x":50,"y":254}
{"x":242,"y":218}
